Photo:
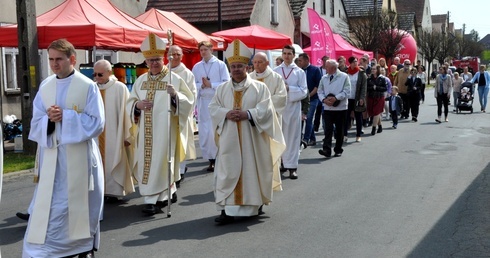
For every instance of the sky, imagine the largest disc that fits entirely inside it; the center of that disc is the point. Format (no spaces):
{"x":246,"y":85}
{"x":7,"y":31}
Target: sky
{"x":474,"y":13}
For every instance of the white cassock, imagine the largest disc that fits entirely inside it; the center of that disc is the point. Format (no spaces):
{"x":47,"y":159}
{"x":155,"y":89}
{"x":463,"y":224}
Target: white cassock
{"x":81,"y":124}
{"x":117,"y":168}
{"x":247,"y":155}
{"x":295,"y":78}
{"x":275,"y":84}
{"x":217,"y":72}
{"x":151,"y":155}
{"x":189,"y":79}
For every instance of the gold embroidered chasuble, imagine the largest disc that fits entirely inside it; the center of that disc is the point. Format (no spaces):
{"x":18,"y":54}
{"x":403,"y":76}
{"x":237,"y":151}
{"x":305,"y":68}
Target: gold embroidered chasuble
{"x":151,"y":153}
{"x":247,"y":155}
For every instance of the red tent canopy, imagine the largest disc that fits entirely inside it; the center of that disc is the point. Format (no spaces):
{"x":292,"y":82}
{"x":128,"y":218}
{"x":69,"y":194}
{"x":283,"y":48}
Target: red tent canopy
{"x":185,"y":35}
{"x":255,"y":36}
{"x":86,"y":24}
{"x":343,"y":48}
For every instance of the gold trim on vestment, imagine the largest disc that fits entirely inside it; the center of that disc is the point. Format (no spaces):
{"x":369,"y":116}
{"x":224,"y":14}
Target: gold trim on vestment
{"x":151,"y":86}
{"x":102,"y":135}
{"x":237,"y":105}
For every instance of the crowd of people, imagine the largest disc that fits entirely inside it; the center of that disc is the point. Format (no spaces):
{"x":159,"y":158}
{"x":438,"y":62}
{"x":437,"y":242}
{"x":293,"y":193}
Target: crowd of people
{"x":97,"y":140}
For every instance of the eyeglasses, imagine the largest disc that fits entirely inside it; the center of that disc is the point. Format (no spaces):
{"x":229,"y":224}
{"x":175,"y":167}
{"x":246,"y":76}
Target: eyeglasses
{"x":97,"y":74}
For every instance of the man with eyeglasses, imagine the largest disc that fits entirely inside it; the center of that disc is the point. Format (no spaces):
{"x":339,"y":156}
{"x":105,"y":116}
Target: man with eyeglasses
{"x":115,"y":140}
{"x":152,"y":95}
{"x":174,"y":56}
{"x":400,"y":81}
{"x":68,"y":116}
{"x":210,"y":73}
{"x":249,"y":138}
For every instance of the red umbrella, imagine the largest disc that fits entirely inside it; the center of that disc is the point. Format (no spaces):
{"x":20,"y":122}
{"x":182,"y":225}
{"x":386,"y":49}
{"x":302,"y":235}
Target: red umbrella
{"x":255,"y":36}
{"x":185,"y":35}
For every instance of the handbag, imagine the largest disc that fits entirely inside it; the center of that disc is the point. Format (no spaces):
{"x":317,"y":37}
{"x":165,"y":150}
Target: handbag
{"x":359,"y":107}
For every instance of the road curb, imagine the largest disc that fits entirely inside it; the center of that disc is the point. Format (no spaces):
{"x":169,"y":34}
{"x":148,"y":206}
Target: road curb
{"x":17,"y":174}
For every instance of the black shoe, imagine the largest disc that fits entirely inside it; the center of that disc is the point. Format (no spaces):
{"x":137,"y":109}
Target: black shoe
{"x":339,"y":154}
{"x":293,"y":174}
{"x":182,"y":176}
{"x":210,"y":167}
{"x":224,"y":219}
{"x":23,"y":216}
{"x":89,"y":254}
{"x":380,"y":129}
{"x":414,"y":119}
{"x":110,"y":199}
{"x":304,"y":144}
{"x":312,"y":143}
{"x":151,"y":209}
{"x":260,"y":210}
{"x":373,"y":131}
{"x":163,"y":204}
{"x":324,"y":153}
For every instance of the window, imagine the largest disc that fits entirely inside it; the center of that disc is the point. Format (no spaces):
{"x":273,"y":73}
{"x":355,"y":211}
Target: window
{"x":9,"y":69}
{"x":274,"y":8}
{"x":332,"y":8}
{"x":323,"y":6}
{"x":108,"y":55}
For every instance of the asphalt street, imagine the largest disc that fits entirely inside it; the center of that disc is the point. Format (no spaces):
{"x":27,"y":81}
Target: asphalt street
{"x":421,"y":190}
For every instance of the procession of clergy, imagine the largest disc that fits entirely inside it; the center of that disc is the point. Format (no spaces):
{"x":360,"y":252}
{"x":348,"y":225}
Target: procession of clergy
{"x":97,"y":140}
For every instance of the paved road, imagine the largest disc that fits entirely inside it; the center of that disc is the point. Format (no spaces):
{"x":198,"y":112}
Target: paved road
{"x":419,"y":191}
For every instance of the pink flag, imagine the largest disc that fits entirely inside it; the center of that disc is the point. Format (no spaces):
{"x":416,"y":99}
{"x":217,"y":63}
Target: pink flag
{"x":321,"y":38}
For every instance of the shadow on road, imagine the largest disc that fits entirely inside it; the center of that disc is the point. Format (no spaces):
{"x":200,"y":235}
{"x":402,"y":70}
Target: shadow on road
{"x":198,"y":229}
{"x":464,"y":230}
{"x":11,"y":234}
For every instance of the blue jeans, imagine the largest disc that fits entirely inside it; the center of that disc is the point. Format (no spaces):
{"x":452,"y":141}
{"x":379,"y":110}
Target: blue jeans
{"x":483,"y":96}
{"x":309,"y":132}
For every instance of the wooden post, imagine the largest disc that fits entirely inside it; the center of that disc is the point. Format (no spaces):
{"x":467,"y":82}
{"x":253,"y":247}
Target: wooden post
{"x":28,"y":76}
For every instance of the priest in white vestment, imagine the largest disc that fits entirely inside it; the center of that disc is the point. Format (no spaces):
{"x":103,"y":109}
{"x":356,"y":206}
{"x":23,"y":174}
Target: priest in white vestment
{"x":174,"y":56}
{"x":68,"y":115}
{"x":152,"y":95}
{"x":115,"y":141}
{"x":264,"y":73}
{"x":209,"y":73}
{"x":249,"y":138}
{"x":295,"y":79}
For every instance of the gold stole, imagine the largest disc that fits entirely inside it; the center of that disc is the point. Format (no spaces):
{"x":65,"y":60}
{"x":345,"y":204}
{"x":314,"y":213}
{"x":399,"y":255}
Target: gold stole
{"x":77,"y":170}
{"x":151,"y":86}
{"x":102,"y":135}
{"x":237,"y":105}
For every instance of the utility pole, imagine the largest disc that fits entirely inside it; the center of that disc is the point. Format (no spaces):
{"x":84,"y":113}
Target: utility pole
{"x":220,"y":28}
{"x":28,"y":77}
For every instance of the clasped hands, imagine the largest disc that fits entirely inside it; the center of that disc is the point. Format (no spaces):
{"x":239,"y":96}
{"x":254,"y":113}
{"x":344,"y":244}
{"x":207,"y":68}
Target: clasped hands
{"x":236,"y":115}
{"x":55,"y":113}
{"x":329,"y":100}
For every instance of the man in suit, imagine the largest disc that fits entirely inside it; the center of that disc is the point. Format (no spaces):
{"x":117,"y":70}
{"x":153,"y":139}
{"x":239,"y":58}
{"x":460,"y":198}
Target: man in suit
{"x":414,"y":85}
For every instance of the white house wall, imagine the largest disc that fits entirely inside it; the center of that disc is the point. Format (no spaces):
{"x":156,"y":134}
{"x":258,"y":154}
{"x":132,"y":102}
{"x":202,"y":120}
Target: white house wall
{"x":334,"y":22}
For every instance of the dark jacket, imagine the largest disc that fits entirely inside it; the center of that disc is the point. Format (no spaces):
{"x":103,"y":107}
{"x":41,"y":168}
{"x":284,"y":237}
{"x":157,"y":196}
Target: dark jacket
{"x":381,"y":86}
{"x":361,"y":85}
{"x":313,"y":77}
{"x":413,"y":86}
{"x":398,"y":103}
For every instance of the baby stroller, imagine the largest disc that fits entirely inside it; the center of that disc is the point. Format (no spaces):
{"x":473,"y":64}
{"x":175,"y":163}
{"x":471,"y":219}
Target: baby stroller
{"x":465,"y":100}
